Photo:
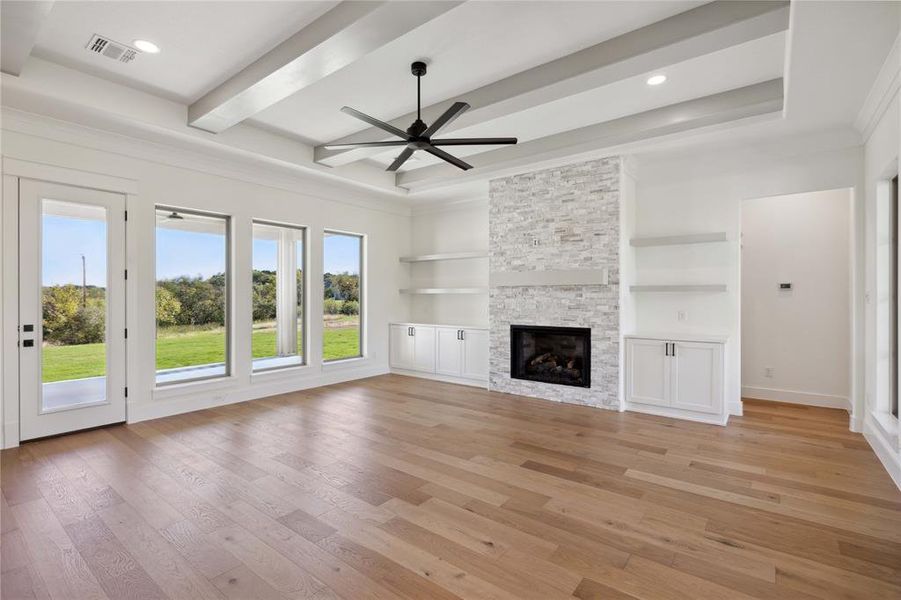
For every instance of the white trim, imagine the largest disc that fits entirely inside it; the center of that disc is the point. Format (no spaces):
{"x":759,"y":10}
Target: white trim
{"x":796,"y":397}
{"x":210,"y":159}
{"x":889,"y":456}
{"x":430,"y":207}
{"x":880,"y":96}
{"x":480,"y":383}
{"x":678,"y":413}
{"x":64,"y":175}
{"x":9,"y":267}
{"x":736,"y":408}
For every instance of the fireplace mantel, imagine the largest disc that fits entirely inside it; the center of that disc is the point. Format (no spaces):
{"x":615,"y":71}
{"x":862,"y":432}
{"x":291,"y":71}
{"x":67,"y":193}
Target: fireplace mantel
{"x":548,"y":278}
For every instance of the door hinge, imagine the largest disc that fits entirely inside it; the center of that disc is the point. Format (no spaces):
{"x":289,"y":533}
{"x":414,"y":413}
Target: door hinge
{"x":126,"y":273}
{"x":126,"y":391}
{"x":126,"y":333}
{"x":126,"y":215}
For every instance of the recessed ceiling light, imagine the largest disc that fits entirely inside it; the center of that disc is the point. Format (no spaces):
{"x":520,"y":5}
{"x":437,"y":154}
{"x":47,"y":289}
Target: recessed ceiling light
{"x":145,"y":46}
{"x":656,"y":79}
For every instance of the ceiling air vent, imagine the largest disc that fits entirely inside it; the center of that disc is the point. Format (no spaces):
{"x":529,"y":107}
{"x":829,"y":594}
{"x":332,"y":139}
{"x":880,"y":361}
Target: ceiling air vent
{"x":110,"y":49}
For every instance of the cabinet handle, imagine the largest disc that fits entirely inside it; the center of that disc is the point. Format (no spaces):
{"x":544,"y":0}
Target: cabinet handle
{"x":461,"y":335}
{"x":666,"y":348}
{"x":674,"y":348}
{"x":413,"y":331}
{"x":409,"y":331}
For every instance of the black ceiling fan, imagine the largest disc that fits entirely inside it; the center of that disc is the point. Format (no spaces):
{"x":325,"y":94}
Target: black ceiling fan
{"x":418,"y":136}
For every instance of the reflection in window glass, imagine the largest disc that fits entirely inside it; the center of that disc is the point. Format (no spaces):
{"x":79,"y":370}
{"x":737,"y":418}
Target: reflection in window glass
{"x":343,"y":302}
{"x":73,"y":302}
{"x":191,"y":296}
{"x":278,"y":260}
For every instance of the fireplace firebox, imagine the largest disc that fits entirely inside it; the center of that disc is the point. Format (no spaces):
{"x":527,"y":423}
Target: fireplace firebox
{"x":560,"y":355}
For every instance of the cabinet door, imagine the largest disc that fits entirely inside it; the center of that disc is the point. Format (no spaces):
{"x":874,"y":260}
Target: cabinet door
{"x":449,"y":351}
{"x":697,"y":377}
{"x":647,"y":372}
{"x":475,"y":354}
{"x":400,"y":347}
{"x":424,"y":348}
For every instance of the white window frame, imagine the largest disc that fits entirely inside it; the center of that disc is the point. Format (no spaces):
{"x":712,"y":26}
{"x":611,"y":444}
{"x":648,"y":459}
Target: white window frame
{"x":363,"y":296}
{"x":229,"y":316}
{"x":286,"y":294}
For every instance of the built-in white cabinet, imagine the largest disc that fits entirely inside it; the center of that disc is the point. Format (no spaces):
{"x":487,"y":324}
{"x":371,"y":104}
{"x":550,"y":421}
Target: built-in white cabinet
{"x":453,"y":353}
{"x":676,"y":377}
{"x":412,"y":347}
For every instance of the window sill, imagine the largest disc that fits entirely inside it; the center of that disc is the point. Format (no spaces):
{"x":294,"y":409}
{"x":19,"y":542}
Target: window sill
{"x":344,"y":363}
{"x":173,"y":390}
{"x":888,"y":426}
{"x":280,"y":373}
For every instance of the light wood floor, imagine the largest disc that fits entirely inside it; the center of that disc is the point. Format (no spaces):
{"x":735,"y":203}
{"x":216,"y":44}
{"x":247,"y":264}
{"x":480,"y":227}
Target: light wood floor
{"x":394,"y":487}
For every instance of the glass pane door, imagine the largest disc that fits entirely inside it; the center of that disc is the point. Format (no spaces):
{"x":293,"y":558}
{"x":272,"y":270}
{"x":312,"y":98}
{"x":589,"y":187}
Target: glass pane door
{"x":71,"y":307}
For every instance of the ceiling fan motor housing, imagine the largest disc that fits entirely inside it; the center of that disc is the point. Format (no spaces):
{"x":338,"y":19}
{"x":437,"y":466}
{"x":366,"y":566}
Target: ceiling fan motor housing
{"x":418,"y":68}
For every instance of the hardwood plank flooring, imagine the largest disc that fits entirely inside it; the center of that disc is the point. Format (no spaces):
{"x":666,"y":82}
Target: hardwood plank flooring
{"x":400,"y":488}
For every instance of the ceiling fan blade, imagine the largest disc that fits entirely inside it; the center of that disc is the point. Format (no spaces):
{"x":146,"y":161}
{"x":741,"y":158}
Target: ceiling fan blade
{"x":366,"y":144}
{"x":401,"y":159}
{"x":457,"y":109}
{"x":448,"y":157}
{"x":375,"y":122}
{"x":474,"y":141}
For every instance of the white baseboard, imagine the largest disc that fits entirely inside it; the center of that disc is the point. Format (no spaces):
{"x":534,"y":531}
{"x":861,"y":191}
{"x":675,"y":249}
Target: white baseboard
{"x":795,"y":397}
{"x":884,"y":449}
{"x":445,"y":378}
{"x":213,"y":398}
{"x":675,"y":413}
{"x":736,"y":408}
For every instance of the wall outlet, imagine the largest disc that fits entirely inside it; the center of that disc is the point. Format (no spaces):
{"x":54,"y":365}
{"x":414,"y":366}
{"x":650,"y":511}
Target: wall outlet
{"x":682,"y":315}
{"x":768,"y":372}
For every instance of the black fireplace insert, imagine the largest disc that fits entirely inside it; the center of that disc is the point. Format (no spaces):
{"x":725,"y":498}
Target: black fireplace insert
{"x":560,"y":355}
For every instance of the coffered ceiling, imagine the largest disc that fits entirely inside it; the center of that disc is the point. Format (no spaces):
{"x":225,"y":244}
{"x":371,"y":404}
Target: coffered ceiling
{"x":269,"y":78}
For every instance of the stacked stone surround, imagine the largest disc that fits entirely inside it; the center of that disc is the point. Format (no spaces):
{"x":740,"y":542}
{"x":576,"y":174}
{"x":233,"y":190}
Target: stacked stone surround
{"x":564,"y":218}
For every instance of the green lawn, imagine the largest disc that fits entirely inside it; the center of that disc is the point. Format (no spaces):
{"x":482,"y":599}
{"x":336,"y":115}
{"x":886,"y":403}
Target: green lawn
{"x":186,"y":348}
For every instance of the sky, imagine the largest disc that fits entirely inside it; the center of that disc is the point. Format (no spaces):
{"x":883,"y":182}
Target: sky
{"x":65,"y":240}
{"x":177,"y":252}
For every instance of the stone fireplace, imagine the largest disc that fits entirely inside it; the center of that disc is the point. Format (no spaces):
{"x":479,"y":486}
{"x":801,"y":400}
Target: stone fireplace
{"x":554,"y":267}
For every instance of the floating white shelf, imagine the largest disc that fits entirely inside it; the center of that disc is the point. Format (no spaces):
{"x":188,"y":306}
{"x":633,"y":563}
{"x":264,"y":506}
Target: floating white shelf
{"x":460,"y":290}
{"x":672,"y":240}
{"x":716,"y":287}
{"x":444,"y":256}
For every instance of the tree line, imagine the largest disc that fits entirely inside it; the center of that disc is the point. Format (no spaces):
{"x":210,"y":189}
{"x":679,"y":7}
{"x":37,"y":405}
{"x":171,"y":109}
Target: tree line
{"x":72,"y":315}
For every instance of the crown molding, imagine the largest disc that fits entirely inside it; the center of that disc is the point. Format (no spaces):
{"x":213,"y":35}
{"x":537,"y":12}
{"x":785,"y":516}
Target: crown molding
{"x":432,"y":207}
{"x":248,"y":170}
{"x":881,"y":94}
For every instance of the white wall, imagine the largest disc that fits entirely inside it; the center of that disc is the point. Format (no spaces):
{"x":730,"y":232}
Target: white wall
{"x":178,"y":178}
{"x":802,"y":334}
{"x":703,"y":192}
{"x":458,"y":227}
{"x":882,"y":151}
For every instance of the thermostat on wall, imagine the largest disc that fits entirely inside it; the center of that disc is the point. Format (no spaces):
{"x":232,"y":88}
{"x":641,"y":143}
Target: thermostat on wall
{"x":785,"y":286}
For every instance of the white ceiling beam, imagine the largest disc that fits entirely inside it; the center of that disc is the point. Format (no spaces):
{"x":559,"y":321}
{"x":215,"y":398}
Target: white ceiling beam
{"x":708,"y":28}
{"x":20,"y":23}
{"x":338,"y":38}
{"x":740,"y":103}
